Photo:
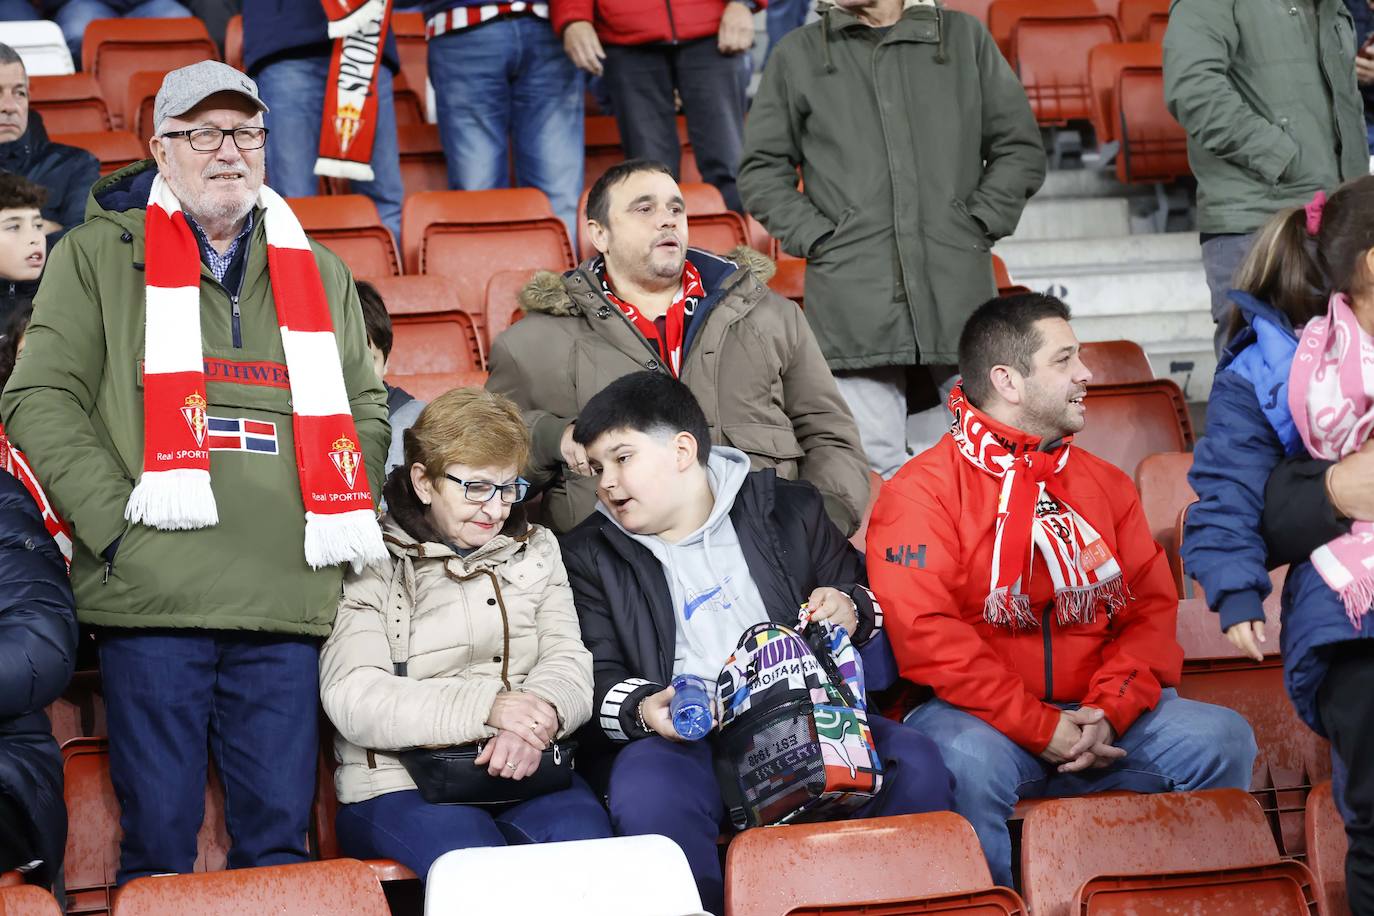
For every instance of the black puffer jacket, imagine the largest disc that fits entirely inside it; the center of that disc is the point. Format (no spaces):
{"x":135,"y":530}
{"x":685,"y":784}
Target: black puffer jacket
{"x":37,"y":655}
{"x":66,"y":171}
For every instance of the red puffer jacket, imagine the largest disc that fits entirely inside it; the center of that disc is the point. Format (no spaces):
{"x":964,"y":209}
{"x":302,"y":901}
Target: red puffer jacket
{"x":930,"y":545}
{"x":640,"y":22}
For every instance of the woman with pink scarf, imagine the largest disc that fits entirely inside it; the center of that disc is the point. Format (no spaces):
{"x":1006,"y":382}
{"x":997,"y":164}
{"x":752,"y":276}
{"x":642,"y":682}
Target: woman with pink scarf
{"x":1281,"y":478}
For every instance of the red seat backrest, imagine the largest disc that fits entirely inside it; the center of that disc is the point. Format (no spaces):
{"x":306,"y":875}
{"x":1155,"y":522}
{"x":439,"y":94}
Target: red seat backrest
{"x":233,"y":42}
{"x":1134,"y":16}
{"x":603,"y":148}
{"x":1125,"y":423}
{"x":978,"y":9}
{"x":339,"y":887}
{"x":408,"y":101}
{"x":1326,"y":849}
{"x":1051,"y":56}
{"x":69,"y":104}
{"x":904,"y":857}
{"x":1116,"y":362}
{"x":1155,"y":27}
{"x":431,"y":331}
{"x":1003,"y":15}
{"x":501,"y":307}
{"x":1154,"y":147}
{"x":114,"y":49}
{"x":423,"y":167}
{"x":1105,"y":63}
{"x":114,"y":148}
{"x":790,"y":280}
{"x":1280,"y":887}
{"x":27,"y":900}
{"x":1162,"y":480}
{"x":348,"y":225}
{"x":138,"y":102}
{"x":409,"y":29}
{"x":1066,"y":841}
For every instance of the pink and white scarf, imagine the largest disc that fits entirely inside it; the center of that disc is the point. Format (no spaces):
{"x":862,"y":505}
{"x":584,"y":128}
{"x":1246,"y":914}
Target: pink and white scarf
{"x":1331,"y":396}
{"x":1033,"y":514}
{"x":173,"y":492}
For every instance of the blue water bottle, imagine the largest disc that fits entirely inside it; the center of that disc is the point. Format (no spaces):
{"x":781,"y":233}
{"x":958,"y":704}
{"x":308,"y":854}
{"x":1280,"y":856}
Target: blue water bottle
{"x":691,"y":707}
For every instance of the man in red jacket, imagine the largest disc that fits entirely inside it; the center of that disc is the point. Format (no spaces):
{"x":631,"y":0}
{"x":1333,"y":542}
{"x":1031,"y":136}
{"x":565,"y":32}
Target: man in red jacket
{"x":1022,"y":585}
{"x":648,"y":50}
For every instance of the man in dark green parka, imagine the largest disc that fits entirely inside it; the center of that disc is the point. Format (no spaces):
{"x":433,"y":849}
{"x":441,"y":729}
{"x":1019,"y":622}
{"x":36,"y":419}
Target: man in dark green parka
{"x":917,"y":151}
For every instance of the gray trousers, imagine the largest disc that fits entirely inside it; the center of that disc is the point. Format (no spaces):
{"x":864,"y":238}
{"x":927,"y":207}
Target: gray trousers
{"x":1221,"y":258}
{"x":877,"y":399}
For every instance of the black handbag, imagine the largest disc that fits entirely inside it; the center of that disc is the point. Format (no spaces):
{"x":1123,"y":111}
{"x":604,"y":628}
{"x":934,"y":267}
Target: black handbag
{"x":448,"y":776}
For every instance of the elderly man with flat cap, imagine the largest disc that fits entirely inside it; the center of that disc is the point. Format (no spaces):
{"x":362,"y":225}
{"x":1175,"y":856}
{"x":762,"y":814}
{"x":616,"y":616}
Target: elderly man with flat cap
{"x":196,"y":396}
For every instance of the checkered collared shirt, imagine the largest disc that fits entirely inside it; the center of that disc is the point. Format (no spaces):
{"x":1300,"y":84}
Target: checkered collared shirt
{"x":219,"y":264}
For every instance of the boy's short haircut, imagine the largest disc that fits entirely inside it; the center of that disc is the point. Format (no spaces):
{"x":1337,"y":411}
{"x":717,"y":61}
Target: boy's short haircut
{"x":18,"y":193}
{"x":645,"y":402}
{"x":375,"y":319}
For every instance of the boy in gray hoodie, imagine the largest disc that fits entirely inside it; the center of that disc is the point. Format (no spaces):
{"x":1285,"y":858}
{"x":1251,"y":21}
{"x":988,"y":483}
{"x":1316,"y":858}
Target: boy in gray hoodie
{"x":688,"y":549}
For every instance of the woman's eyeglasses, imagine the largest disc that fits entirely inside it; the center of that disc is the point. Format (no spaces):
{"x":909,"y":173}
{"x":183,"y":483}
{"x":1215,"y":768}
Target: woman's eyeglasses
{"x":479,"y":491}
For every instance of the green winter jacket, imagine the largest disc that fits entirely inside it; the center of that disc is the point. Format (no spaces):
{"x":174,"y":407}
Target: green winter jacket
{"x":1272,"y":109}
{"x":917,"y":151}
{"x":75,"y":406}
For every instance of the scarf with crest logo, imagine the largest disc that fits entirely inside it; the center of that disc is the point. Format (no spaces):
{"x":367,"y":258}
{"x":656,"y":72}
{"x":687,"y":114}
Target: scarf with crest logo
{"x":358,"y":28}
{"x":1033,"y":514}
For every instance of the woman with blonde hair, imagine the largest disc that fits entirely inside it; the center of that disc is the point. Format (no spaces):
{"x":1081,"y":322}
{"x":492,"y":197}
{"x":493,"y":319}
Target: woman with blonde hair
{"x":456,"y":671}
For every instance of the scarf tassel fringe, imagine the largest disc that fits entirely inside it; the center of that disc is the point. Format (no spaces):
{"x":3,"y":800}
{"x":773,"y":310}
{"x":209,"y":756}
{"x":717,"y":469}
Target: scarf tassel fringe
{"x":343,"y":168}
{"x":1357,"y":597}
{"x":1079,"y":605}
{"x":175,"y":500}
{"x":1003,"y":609}
{"x":346,"y":537}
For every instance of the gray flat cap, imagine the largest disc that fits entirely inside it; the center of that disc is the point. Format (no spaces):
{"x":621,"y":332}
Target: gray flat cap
{"x":186,"y":88}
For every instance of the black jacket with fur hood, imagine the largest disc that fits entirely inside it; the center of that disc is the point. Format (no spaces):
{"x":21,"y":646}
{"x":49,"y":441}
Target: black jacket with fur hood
{"x":751,"y":360}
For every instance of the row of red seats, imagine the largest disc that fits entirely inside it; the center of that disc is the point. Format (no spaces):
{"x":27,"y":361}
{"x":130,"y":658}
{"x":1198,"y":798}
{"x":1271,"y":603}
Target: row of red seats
{"x":1137,"y":20}
{"x":1108,"y":854}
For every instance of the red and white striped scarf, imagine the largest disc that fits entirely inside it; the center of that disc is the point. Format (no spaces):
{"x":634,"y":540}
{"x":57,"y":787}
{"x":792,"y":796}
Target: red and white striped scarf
{"x":13,"y":460}
{"x":1033,"y":514}
{"x":174,"y":492}
{"x":349,"y":128}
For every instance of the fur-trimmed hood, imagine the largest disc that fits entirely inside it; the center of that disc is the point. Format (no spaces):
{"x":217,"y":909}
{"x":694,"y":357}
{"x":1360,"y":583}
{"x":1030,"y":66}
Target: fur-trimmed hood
{"x":548,"y":293}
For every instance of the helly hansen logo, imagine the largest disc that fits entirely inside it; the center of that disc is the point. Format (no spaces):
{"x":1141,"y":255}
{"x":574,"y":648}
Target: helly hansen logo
{"x":905,"y":555}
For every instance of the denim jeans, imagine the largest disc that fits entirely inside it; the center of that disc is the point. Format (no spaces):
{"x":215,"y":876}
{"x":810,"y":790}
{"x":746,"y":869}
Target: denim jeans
{"x":405,"y":827}
{"x":1221,"y":258}
{"x":641,"y":80}
{"x":294,"y":88}
{"x":1180,"y":745}
{"x":508,"y":86}
{"x":783,"y":16}
{"x":253,"y":698}
{"x":19,"y":11}
{"x":74,"y":15}
{"x":669,"y":788}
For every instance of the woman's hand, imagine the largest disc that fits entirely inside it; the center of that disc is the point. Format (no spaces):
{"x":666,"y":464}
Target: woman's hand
{"x":1246,"y":636}
{"x":835,"y":606}
{"x":510,"y":756}
{"x":524,"y":714}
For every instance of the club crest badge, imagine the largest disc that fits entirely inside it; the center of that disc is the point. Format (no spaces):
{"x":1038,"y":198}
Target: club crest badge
{"x":194,"y":414}
{"x":346,"y":458}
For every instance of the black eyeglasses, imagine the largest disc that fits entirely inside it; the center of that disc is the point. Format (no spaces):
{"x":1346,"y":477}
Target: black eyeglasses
{"x":209,"y":139}
{"x":479,"y":491}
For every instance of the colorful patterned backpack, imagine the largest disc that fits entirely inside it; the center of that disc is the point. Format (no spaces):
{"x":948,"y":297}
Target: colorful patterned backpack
{"x":794,"y":743}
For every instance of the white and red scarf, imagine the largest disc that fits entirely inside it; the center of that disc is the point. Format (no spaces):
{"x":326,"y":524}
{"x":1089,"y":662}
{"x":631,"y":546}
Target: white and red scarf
{"x":679,"y":315}
{"x":13,"y":460}
{"x":173,"y":492}
{"x":1331,"y":396}
{"x":1033,"y":514}
{"x":358,"y":28}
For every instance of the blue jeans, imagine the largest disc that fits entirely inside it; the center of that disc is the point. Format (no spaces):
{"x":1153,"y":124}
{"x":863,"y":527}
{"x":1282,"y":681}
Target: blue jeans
{"x":783,"y":16}
{"x":18,"y":11}
{"x":74,"y":15}
{"x":294,"y":89}
{"x":658,"y":786}
{"x":254,"y":699}
{"x":405,"y":827}
{"x":1180,"y":745}
{"x":509,"y":84}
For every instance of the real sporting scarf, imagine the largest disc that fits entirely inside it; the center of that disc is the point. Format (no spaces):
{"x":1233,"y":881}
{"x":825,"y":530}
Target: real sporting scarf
{"x":679,"y":315}
{"x":1331,"y":396}
{"x":358,"y":28}
{"x":1033,"y":514}
{"x":173,"y":492}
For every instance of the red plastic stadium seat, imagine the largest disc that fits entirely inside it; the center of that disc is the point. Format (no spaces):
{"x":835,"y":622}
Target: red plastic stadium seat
{"x":1156,"y":26}
{"x":92,"y":856}
{"x":1326,"y":849}
{"x":1116,"y":362}
{"x":1134,"y":17}
{"x":790,"y":280}
{"x":501,"y":306}
{"x":80,"y":711}
{"x":710,"y":225}
{"x":324,"y":842}
{"x":603,"y":148}
{"x":409,"y":29}
{"x":978,"y":9}
{"x":114,"y":49}
{"x":1051,"y":57}
{"x":852,"y":862}
{"x":341,"y":887}
{"x":1003,"y":15}
{"x":138,"y":103}
{"x":423,"y":167}
{"x":1279,"y":889}
{"x":1067,"y":841}
{"x":233,"y":42}
{"x":995,"y":901}
{"x":408,"y":101}
{"x":348,"y":225}
{"x":11,"y":879}
{"x":27,"y":901}
{"x":431,"y":332}
{"x":1162,"y":480}
{"x":1105,"y":63}
{"x":1206,"y":648}
{"x":1125,"y":423}
{"x":1154,"y":147}
{"x":69,"y":104}
{"x":114,"y":148}
{"x":466,"y":236}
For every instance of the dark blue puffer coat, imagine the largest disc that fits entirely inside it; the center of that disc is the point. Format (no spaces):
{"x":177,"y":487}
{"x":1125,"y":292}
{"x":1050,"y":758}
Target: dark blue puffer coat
{"x":37,"y":656}
{"x":1249,"y":431}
